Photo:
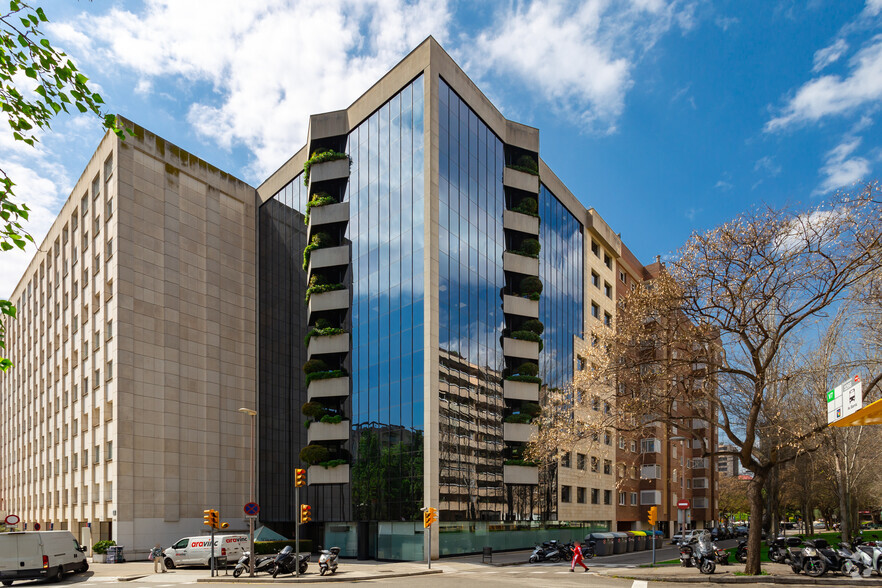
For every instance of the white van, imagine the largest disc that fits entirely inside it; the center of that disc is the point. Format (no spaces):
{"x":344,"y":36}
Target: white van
{"x":196,"y":551}
{"x":25,"y":555}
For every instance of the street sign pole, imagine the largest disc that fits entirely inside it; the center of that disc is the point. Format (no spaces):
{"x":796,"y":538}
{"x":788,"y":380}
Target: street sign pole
{"x":251,"y":546}
{"x":213,"y":563}
{"x":653,"y":545}
{"x":297,"y":533}
{"x":429,"y":546}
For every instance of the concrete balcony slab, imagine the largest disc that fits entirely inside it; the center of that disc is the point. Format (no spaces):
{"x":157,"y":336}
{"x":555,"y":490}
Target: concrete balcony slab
{"x":517,"y":432}
{"x":521,"y":264}
{"x":319,"y":345}
{"x":328,"y":257}
{"x":321,"y":475}
{"x":520,"y":391}
{"x":328,"y":432}
{"x":518,"y":348}
{"x":330,"y":388}
{"x":519,"y":180}
{"x":335,"y":300}
{"x":327,"y":215}
{"x":521,"y":475}
{"x":520,"y":306}
{"x":518,"y":221}
{"x":329,"y":170}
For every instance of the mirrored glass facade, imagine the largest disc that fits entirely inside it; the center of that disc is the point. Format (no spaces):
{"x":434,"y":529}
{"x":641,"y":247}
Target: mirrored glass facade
{"x":562,"y":273}
{"x":471,"y":242}
{"x":386,"y":229}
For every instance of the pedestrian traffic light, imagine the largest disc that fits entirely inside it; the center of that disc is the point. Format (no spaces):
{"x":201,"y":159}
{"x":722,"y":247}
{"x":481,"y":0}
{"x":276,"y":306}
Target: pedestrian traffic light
{"x":299,"y":477}
{"x":305,"y":514}
{"x":207,"y":517}
{"x":653,"y":515}
{"x":430,"y":515}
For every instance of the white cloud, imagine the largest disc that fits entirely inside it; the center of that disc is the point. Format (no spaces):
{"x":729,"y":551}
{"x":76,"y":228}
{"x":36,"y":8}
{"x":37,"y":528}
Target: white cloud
{"x":873,"y":7}
{"x":724,"y":22}
{"x":842,"y":170}
{"x":723,"y":185}
{"x":834,"y":95}
{"x":830,"y":54}
{"x":270,"y":63}
{"x":579,"y":56}
{"x":767,"y":164}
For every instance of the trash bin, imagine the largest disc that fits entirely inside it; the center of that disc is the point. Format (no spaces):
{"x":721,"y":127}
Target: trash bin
{"x":659,"y":540}
{"x":633,"y":543}
{"x":487,"y":554}
{"x":603,"y":543}
{"x":115,"y":554}
{"x":630,"y":541}
{"x":640,"y":543}
{"x":620,"y":542}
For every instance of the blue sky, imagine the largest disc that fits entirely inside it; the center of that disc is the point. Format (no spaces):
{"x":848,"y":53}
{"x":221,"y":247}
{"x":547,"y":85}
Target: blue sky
{"x":668,"y":117}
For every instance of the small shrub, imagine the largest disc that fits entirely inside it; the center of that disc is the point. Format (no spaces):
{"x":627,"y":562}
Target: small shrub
{"x":320,"y":288}
{"x":318,"y":241}
{"x":531,"y":285}
{"x":313,"y":410}
{"x":314,"y":365}
{"x":524,"y":378}
{"x":527,"y":205}
{"x":324,"y":375}
{"x":320,"y":156}
{"x":326,"y":332}
{"x":332,"y":463}
{"x":519,"y":417}
{"x":529,"y":162}
{"x":531,"y":247}
{"x":332,"y":419}
{"x":526,"y":336}
{"x":101,"y":546}
{"x":314,"y":454}
{"x":535,"y":296}
{"x":521,"y":462}
{"x":534,"y":325}
{"x":531,"y":408}
{"x":528,"y":368}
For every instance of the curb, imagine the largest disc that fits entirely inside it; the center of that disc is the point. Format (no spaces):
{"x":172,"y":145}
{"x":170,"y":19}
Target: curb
{"x":316,"y":578}
{"x":713,"y":578}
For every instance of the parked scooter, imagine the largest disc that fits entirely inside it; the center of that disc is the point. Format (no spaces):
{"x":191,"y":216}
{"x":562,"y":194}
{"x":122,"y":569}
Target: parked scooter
{"x":779,"y":549}
{"x":741,"y":551}
{"x":685,"y":554}
{"x":328,"y":560}
{"x":704,"y":556}
{"x":856,"y":562}
{"x":284,"y":562}
{"x":547,"y":551}
{"x":721,"y":555}
{"x":874,"y":550}
{"x":261,"y":564}
{"x":815,"y":558}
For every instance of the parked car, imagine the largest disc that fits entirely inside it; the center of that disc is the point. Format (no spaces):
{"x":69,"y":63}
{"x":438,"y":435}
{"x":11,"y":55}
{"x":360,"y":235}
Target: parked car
{"x":741,"y":531}
{"x":688,"y":536}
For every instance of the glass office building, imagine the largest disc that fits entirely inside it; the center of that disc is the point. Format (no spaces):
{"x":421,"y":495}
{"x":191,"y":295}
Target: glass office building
{"x":404,"y":281}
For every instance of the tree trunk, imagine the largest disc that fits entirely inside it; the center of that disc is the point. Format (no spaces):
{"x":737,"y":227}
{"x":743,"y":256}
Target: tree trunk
{"x":808,"y":526}
{"x":754,"y":536}
{"x":842,"y":483}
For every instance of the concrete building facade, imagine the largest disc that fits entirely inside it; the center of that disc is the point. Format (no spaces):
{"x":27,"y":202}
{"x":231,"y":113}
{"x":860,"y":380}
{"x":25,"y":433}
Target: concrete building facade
{"x":133,"y":350}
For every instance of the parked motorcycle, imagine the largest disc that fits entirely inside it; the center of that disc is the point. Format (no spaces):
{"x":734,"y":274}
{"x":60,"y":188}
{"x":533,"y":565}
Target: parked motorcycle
{"x":284,"y":562}
{"x":261,"y":564}
{"x":328,"y":560}
{"x":856,"y":562}
{"x":815,"y":558}
{"x":874,"y":551}
{"x":685,"y":554}
{"x":721,"y":555}
{"x":547,"y":551}
{"x":741,"y":550}
{"x":704,"y":555}
{"x":779,"y":549}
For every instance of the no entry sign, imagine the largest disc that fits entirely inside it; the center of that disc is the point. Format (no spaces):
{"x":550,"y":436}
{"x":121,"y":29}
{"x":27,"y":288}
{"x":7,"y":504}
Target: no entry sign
{"x":683,"y":504}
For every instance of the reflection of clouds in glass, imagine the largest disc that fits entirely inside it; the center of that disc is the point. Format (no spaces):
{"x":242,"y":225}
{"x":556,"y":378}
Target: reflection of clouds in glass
{"x":561,"y":272}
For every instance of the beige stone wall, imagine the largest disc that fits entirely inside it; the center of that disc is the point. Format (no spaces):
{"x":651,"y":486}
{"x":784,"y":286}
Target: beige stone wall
{"x":186,"y":341}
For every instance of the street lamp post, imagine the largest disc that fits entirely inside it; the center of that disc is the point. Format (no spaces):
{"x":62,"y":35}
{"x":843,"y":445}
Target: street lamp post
{"x":252,"y":414}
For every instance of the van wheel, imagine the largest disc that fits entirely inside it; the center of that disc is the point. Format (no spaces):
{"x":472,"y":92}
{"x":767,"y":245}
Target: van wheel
{"x":83,"y":568}
{"x":169,"y":563}
{"x":58,"y":576}
{"x":7,"y":582}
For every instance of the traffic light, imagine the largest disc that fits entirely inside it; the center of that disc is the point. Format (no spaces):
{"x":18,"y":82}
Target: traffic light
{"x":207,"y":517}
{"x":299,"y":477}
{"x":224,"y":525}
{"x":305,"y":514}
{"x":430,"y":515}
{"x":215,"y":519}
{"x":653,"y":515}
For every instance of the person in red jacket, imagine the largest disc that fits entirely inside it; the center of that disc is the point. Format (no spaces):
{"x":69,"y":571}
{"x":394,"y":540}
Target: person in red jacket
{"x":577,"y":557}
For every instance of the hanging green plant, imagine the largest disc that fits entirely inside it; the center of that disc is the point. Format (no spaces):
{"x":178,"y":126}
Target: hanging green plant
{"x":326,"y":332}
{"x":316,"y":200}
{"x":320,"y":156}
{"x":318,"y":241}
{"x":325,"y":375}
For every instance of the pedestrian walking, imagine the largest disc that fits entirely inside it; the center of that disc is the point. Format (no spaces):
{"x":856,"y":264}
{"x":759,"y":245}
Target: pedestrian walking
{"x":577,"y":557}
{"x":158,"y":559}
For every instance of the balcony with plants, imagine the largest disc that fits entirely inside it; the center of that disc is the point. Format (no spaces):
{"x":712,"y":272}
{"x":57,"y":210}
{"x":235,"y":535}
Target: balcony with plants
{"x":325,"y":164}
{"x":521,"y":170}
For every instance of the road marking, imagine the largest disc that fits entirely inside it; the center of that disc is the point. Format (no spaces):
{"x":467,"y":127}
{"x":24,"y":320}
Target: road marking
{"x":640,"y":584}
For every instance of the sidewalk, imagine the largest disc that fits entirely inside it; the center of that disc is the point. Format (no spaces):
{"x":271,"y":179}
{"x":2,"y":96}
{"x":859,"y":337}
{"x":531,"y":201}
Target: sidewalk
{"x":777,"y":574}
{"x":348,"y":571}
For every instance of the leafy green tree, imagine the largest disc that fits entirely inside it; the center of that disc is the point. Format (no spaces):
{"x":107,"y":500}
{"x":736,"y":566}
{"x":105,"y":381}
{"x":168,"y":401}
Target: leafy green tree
{"x":55,"y":86}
